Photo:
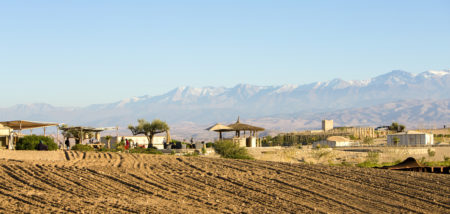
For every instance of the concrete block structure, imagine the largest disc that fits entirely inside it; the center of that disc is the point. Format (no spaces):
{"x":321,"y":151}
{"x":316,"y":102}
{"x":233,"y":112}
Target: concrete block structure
{"x":410,"y":138}
{"x":327,"y":125}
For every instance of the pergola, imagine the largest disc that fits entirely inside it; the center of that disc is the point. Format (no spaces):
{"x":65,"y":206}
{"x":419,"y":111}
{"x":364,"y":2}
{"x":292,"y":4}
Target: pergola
{"x":20,"y":125}
{"x":84,"y":129}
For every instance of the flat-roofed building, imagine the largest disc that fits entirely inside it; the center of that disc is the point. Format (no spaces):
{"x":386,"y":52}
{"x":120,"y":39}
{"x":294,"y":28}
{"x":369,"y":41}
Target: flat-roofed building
{"x":410,"y":138}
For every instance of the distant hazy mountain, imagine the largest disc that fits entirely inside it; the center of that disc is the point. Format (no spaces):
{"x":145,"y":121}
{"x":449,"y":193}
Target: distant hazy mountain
{"x":211,"y":104}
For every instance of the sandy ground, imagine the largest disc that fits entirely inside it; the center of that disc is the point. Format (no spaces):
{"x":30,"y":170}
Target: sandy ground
{"x":139,"y":183}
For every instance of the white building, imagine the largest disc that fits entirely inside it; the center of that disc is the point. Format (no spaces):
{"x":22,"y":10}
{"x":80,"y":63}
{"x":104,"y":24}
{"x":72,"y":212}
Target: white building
{"x":410,"y":138}
{"x":333,"y":141}
{"x":158,"y":141}
{"x":5,"y":135}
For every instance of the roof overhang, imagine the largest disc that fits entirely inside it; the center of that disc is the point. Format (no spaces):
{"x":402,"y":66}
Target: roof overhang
{"x":85,"y":129}
{"x":25,"y":124}
{"x":220,"y":128}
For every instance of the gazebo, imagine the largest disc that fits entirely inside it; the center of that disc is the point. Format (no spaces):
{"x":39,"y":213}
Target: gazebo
{"x":238,"y":127}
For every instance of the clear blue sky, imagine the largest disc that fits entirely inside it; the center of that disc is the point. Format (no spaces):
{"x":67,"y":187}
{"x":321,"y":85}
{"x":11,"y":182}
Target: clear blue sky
{"x":59,"y":52}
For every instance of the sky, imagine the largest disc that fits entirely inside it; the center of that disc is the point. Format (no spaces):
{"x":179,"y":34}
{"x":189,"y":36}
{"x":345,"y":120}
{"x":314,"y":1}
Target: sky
{"x":76,"y":53}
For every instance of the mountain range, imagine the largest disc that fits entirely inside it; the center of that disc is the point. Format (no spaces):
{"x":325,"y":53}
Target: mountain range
{"x":413,"y":99}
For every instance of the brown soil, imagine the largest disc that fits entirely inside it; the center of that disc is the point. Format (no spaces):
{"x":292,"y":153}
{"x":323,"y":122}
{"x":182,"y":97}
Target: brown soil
{"x":116,"y":183}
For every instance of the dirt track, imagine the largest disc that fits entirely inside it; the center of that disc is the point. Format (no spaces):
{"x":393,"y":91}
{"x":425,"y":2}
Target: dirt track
{"x":111,"y":182}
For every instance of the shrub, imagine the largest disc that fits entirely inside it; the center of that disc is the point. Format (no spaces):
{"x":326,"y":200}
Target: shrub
{"x":431,"y":153}
{"x":320,"y":152}
{"x":145,"y":151}
{"x":396,"y":140}
{"x":352,"y":137}
{"x":82,"y":148}
{"x":228,"y":149}
{"x":209,"y":145}
{"x":368,"y":141}
{"x":371,"y":160}
{"x":30,"y":142}
{"x":194,"y":154}
{"x":203,"y":150}
{"x":446,"y":159}
{"x":345,"y":163}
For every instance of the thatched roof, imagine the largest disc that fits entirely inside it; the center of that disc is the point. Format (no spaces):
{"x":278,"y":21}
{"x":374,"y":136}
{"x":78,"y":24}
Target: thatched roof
{"x":219,"y":128}
{"x":238,"y":126}
{"x":25,"y":124}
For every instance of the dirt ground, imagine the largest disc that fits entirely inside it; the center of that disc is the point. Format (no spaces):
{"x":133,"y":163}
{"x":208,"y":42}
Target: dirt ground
{"x":348,"y":154}
{"x":141,"y":183}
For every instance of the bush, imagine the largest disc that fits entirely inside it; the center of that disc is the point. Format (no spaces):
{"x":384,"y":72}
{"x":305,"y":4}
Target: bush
{"x":368,"y":141}
{"x":30,"y":142}
{"x":194,"y":154}
{"x":320,"y":152}
{"x":228,"y":149}
{"x":371,"y":160}
{"x":145,"y":151}
{"x":209,"y":145}
{"x":352,"y":137}
{"x":203,"y":150}
{"x":431,"y":153}
{"x":82,"y":148}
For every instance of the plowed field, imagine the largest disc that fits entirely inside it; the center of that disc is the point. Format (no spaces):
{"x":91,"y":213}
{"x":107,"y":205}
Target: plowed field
{"x":116,"y":183}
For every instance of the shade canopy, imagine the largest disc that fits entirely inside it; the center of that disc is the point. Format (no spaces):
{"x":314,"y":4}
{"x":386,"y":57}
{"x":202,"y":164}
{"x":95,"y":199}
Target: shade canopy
{"x":238,"y":126}
{"x":25,"y":124}
{"x":85,"y":129}
{"x":220,"y":128}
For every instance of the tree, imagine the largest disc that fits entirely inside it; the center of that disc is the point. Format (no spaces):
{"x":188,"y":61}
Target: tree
{"x":149,"y":129}
{"x":396,"y":127}
{"x":396,"y":140}
{"x":108,"y":140}
{"x":74,"y":132}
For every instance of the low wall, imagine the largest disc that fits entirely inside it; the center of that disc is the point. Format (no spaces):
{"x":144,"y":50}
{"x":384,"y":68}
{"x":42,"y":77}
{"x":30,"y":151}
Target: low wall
{"x":32,"y":155}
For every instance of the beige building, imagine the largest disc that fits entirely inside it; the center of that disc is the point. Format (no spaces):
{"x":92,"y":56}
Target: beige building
{"x":333,"y":141}
{"x":410,"y":138}
{"x":158,"y":141}
{"x":327,"y":125}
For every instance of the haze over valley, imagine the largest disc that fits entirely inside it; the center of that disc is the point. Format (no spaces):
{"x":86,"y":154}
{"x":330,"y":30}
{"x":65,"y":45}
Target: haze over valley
{"x":417,"y":100}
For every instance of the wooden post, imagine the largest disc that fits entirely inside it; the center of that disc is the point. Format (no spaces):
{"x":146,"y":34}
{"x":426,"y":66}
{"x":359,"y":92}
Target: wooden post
{"x":44,"y":131}
{"x":81,"y":137}
{"x":57,"y":134}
